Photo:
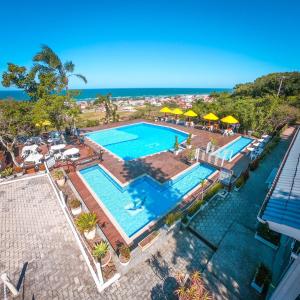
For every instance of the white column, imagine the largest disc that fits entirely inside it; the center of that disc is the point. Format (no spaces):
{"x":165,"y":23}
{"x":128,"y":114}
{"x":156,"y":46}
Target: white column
{"x":289,"y":286}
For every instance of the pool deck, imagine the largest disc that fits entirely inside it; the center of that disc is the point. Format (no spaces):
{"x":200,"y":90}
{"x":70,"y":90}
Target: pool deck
{"x":161,"y":166}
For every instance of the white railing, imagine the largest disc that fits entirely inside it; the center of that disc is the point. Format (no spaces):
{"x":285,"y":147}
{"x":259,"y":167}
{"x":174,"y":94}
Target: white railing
{"x":93,"y":266}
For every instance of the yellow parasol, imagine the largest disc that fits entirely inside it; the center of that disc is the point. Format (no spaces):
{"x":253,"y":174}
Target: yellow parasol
{"x":210,"y":117}
{"x":166,"y":110}
{"x":177,"y":111}
{"x":230,"y":120}
{"x":190,"y":113}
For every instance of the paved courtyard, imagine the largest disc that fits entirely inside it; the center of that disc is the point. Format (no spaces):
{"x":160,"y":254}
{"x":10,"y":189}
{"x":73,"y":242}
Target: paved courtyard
{"x":33,"y":229}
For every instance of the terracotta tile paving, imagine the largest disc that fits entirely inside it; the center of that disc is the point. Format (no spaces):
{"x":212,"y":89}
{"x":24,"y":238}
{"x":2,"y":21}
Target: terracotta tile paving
{"x":161,"y":166}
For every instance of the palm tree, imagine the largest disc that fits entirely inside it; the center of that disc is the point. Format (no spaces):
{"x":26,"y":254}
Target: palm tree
{"x":48,"y":61}
{"x":111,"y":109}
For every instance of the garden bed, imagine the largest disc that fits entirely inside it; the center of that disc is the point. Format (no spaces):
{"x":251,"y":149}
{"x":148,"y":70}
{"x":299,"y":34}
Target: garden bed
{"x":199,"y":203}
{"x":261,"y":279}
{"x":267,"y":236}
{"x":148,"y":240}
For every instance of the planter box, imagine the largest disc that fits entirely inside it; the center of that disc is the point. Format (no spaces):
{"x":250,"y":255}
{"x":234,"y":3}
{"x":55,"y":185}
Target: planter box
{"x":266,"y":242}
{"x":106,"y":260}
{"x":124,"y":263}
{"x":169,"y":228}
{"x":90,"y":234}
{"x":261,"y":279}
{"x":258,"y":288}
{"x":237,"y":188}
{"x":76,"y":211}
{"x":61,"y":182}
{"x":148,"y":240}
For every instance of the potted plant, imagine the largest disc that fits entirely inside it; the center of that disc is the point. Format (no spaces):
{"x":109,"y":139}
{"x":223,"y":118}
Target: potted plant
{"x":86,"y":223}
{"x":102,"y":254}
{"x":176,"y":146}
{"x":185,"y":222}
{"x":59,"y":177}
{"x":124,"y":255}
{"x":267,"y":236}
{"x":172,"y":219}
{"x":75,"y":205}
{"x":190,"y":156}
{"x":19,"y":171}
{"x":261,"y":278}
{"x":188,"y":141}
{"x":239,"y":183}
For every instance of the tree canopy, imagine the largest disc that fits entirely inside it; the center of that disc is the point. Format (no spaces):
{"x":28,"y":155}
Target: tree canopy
{"x":270,"y":85}
{"x":256,"y":105}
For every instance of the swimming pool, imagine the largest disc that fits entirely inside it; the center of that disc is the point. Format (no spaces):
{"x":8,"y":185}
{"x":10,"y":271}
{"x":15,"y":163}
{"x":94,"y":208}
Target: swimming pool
{"x":144,"y":199}
{"x":233,"y":148}
{"x":137,"y":140}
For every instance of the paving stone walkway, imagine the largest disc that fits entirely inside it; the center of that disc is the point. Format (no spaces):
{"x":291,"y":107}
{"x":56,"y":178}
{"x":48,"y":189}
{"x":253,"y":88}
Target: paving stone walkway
{"x":33,"y":229}
{"x":155,"y":277}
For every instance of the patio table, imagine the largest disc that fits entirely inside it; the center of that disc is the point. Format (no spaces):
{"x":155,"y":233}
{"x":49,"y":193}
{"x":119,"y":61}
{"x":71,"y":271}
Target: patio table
{"x":70,"y":152}
{"x":31,"y":148}
{"x":58,"y":147}
{"x":34,"y":157}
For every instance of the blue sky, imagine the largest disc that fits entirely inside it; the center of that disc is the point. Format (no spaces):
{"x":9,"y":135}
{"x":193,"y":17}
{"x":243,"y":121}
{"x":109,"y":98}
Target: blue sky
{"x":157,"y":43}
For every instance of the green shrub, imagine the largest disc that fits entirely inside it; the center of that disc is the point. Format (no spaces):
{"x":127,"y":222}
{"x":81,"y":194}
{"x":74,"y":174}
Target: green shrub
{"x":124,"y":251}
{"x":7,"y":172}
{"x":191,"y":154}
{"x":198,"y":203}
{"x":171,"y":218}
{"x":86,"y":221}
{"x":92,"y":123}
{"x":189,"y":139}
{"x":74,"y":203}
{"x":262,"y":275}
{"x":213,"y":190}
{"x":254,"y":164}
{"x":264,"y":231}
{"x":100,"y":250}
{"x":256,"y":134}
{"x":195,"y":207}
{"x":240,"y":181}
{"x":58,"y":174}
{"x":176,"y":144}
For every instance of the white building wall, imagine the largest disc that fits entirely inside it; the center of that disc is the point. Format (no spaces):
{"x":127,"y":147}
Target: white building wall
{"x":289,"y":286}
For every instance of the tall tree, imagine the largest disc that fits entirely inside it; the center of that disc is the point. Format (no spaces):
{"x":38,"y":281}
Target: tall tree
{"x":48,"y":61}
{"x":16,"y":119}
{"x":58,"y":109}
{"x":111,"y":109}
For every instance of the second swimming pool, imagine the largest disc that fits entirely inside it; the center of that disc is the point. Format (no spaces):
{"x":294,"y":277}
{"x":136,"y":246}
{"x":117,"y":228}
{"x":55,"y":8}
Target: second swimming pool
{"x":137,"y":140}
{"x":144,"y":199}
{"x":229,"y":151}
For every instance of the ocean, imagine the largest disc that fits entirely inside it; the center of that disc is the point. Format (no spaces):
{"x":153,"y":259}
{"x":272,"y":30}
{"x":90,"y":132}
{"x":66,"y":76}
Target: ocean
{"x":90,"y":94}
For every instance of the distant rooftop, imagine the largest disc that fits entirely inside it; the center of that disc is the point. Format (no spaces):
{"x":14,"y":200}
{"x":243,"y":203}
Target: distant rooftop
{"x":282,"y":206}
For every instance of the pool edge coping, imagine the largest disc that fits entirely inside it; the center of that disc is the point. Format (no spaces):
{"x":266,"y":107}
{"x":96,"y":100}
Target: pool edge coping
{"x":127,"y":125}
{"x":115,"y":223}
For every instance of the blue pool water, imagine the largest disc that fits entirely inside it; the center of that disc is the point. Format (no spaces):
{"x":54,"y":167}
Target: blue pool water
{"x":234,"y":148}
{"x":137,"y":140}
{"x":144,"y":199}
